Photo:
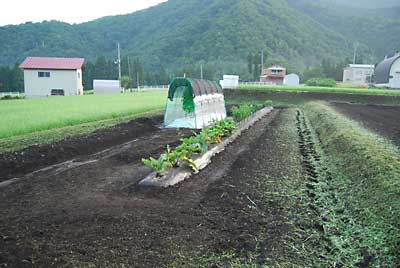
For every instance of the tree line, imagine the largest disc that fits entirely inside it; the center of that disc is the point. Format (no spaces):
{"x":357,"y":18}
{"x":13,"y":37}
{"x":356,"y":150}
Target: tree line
{"x":134,"y":73}
{"x":11,"y":78}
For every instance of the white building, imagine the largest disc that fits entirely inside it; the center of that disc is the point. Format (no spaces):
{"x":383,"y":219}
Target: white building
{"x":291,"y":80}
{"x":358,"y":73}
{"x":106,"y":87}
{"x":45,"y":77}
{"x":230,"y":81}
{"x":387,"y":73}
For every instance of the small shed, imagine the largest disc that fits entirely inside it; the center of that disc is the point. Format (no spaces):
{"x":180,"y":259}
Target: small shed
{"x":194,"y":103}
{"x":387,"y":73}
{"x":358,"y":73}
{"x":291,"y":80}
{"x":230,"y":81}
{"x":48,"y":76}
{"x":106,"y":86}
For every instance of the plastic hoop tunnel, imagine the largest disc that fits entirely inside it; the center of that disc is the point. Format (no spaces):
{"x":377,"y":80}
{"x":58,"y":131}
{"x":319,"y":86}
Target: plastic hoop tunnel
{"x":194,"y":103}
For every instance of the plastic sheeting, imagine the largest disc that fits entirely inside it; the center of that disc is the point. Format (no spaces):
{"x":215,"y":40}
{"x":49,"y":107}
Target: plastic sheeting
{"x":208,"y":107}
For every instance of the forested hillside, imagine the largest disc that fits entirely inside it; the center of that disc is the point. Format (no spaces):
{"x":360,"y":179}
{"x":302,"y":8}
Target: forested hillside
{"x":371,"y":28}
{"x":182,"y":32}
{"x":178,"y":35}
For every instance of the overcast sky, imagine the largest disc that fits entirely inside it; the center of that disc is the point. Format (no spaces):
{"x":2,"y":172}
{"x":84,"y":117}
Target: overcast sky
{"x":72,"y":11}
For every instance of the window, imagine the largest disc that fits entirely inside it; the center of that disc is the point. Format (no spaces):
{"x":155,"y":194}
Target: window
{"x":43,"y":74}
{"x":57,"y":92}
{"x":79,"y":75}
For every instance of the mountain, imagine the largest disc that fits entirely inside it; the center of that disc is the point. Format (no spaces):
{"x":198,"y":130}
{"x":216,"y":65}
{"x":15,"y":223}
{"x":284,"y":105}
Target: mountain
{"x":374,"y":28}
{"x":366,"y":4}
{"x":220,"y":33}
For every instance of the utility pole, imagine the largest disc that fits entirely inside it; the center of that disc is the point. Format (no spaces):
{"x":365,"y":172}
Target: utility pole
{"x":119,"y":64}
{"x":262,"y":61}
{"x":137,"y":80}
{"x":201,"y":71}
{"x":129,"y":73}
{"x":355,"y":53}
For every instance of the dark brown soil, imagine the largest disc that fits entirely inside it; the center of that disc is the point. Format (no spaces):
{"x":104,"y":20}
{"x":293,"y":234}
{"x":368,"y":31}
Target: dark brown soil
{"x":383,"y":120}
{"x":92,"y":213}
{"x":33,"y":158}
{"x":280,"y":97}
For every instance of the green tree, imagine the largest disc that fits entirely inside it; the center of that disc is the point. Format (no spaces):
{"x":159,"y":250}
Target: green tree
{"x":126,"y":81}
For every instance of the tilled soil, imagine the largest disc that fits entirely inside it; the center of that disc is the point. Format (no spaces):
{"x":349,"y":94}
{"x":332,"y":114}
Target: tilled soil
{"x":35,"y":157}
{"x":384,"y":120}
{"x":250,"y":205}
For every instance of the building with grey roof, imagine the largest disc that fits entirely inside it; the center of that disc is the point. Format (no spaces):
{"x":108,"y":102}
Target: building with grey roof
{"x":387,"y":73}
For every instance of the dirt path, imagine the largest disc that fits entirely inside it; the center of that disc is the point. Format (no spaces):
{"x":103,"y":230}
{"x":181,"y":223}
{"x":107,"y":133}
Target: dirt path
{"x":250,"y":206}
{"x":383,"y":120}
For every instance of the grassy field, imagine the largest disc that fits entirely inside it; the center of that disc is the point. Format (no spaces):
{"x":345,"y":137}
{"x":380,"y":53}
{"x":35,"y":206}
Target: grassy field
{"x":363,"y":91}
{"x":22,"y":117}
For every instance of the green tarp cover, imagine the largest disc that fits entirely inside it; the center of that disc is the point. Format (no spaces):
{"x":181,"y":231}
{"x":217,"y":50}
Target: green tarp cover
{"x":197,"y":87}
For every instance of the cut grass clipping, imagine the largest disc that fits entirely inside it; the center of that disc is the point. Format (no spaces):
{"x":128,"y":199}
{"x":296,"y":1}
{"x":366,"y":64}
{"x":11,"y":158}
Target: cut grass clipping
{"x":22,"y":117}
{"x":362,"y":91}
{"x":360,"y":198}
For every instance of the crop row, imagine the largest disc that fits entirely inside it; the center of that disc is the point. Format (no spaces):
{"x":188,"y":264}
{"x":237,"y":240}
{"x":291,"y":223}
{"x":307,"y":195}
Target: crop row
{"x":199,"y":143}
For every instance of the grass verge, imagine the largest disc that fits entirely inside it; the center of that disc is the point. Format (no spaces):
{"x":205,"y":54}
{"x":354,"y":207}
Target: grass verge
{"x":359,"y":197}
{"x":17,"y":143}
{"x":361,"y":91}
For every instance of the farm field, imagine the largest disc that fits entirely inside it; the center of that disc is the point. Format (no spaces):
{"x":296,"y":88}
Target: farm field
{"x":343,"y":90}
{"x":35,"y":115}
{"x":285,"y":98}
{"x":384,"y":120}
{"x":276,"y":197}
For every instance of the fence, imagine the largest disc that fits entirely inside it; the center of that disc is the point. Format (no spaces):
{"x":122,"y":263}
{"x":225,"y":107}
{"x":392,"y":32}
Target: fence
{"x":15,"y":93}
{"x":256,"y":84}
{"x":159,"y":87}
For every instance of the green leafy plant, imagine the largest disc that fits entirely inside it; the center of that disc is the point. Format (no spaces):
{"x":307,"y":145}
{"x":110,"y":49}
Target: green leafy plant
{"x":171,"y":157}
{"x":268,"y":103}
{"x":321,"y":82}
{"x":195,"y":145}
{"x":159,"y":165}
{"x":242,"y":112}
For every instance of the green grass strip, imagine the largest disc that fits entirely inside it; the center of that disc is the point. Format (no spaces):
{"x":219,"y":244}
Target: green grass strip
{"x":361,"y":91}
{"x":365,"y":172}
{"x":17,"y":143}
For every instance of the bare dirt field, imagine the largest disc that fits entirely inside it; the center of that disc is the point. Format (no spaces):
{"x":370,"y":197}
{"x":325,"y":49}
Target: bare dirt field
{"x":383,"y":120}
{"x":17,"y":164}
{"x":242,"y":208}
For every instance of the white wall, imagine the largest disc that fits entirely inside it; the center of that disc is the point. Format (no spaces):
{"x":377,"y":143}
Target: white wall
{"x":106,"y":87}
{"x":230,"y":81}
{"x":358,"y":75}
{"x":395,"y":73}
{"x":66,"y":80}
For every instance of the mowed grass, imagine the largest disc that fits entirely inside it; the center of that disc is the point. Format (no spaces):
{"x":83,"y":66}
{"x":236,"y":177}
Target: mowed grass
{"x":20,"y":117}
{"x":363,"y":91}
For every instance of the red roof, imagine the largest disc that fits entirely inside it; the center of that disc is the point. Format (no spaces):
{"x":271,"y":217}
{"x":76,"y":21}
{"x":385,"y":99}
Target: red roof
{"x":52,"y":63}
